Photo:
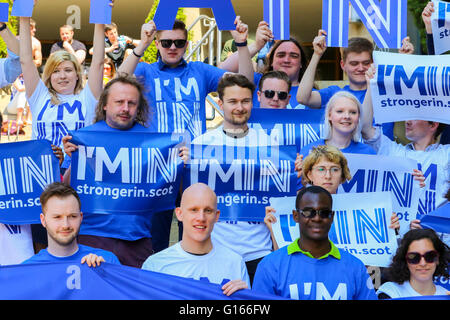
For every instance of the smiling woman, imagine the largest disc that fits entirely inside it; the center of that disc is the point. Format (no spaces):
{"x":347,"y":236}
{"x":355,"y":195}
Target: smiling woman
{"x":60,"y":102}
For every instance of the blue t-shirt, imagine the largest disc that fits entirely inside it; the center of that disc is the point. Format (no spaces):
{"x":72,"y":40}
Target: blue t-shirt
{"x":177,"y":95}
{"x":327,"y":93}
{"x":119,"y":226}
{"x":45,"y":256}
{"x":290,"y":273}
{"x":293,"y":104}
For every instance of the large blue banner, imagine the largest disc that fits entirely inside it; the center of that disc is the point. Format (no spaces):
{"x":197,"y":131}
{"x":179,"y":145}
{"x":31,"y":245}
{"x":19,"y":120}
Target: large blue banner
{"x":75,"y":281}
{"x":289,"y":127}
{"x":26,"y":168}
{"x":125,"y":172}
{"x":243,"y":178}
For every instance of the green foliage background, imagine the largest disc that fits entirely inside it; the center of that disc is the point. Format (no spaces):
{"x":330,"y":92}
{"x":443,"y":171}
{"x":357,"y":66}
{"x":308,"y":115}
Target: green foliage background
{"x":13,"y":25}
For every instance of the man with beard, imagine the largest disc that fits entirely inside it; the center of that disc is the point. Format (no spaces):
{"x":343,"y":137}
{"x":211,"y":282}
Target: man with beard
{"x":61,"y":216}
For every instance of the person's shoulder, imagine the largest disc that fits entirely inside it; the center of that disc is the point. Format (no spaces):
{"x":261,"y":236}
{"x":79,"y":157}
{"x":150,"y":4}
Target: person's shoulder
{"x":307,"y":148}
{"x":364,"y":148}
{"x":209,"y":137}
{"x":276,"y":257}
{"x":350,"y":259}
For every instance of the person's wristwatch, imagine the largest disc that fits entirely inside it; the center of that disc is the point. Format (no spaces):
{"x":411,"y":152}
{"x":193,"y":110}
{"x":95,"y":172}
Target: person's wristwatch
{"x":3,"y":27}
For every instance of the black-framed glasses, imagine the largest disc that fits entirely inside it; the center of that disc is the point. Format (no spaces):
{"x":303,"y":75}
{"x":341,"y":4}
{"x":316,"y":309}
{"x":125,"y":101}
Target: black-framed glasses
{"x":167,"y":43}
{"x":415,"y":257}
{"x":282,"y":95}
{"x":311,"y":213}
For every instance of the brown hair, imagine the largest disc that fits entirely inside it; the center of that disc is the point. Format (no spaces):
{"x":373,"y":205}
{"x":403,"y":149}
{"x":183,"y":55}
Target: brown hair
{"x":358,"y":45}
{"x":281,"y":75}
{"x":177,"y":25}
{"x":233,"y":79}
{"x":60,"y":190}
{"x":329,"y":153}
{"x":143,"y":108}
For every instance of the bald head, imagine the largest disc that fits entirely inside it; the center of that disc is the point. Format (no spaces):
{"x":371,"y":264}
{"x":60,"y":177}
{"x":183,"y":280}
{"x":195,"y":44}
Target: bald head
{"x":198,"y":191}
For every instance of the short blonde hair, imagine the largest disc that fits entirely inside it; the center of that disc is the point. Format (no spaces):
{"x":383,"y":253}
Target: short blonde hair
{"x":327,"y":129}
{"x":54,"y":60}
{"x":325,"y":152}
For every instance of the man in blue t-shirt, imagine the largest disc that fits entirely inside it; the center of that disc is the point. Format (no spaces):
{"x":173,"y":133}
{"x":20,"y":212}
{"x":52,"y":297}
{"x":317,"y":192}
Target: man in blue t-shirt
{"x":122,"y":107}
{"x":176,"y":90}
{"x":61,"y":216}
{"x":312,"y":267}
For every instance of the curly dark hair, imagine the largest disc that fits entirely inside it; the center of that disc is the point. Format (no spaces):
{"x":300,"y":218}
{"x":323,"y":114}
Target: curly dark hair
{"x":398,"y":270}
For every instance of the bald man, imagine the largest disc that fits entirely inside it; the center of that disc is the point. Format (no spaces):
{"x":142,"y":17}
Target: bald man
{"x":196,"y":256}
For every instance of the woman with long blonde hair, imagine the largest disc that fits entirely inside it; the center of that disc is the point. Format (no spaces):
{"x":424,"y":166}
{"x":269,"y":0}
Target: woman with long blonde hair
{"x":60,"y":102}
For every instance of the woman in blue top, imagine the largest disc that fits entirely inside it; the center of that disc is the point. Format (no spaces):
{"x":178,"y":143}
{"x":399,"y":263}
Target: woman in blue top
{"x":342,"y":127}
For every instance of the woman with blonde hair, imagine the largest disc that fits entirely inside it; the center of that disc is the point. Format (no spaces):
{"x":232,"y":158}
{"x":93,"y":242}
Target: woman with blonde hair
{"x":60,"y":102}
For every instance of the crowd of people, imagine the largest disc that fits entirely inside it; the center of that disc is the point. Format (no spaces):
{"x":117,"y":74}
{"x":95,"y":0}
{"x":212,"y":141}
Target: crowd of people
{"x":122,"y":93}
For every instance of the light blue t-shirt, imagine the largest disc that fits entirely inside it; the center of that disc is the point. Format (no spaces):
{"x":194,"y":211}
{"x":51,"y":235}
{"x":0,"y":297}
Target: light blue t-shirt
{"x":291,"y":273}
{"x":177,"y":95}
{"x":45,"y":256}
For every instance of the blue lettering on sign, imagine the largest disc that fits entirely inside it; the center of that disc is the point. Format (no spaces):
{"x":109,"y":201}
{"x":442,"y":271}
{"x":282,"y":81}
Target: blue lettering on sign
{"x":403,"y":193}
{"x":286,"y":221}
{"x":13,"y":229}
{"x":377,"y":228}
{"x":223,"y":11}
{"x":443,"y":9}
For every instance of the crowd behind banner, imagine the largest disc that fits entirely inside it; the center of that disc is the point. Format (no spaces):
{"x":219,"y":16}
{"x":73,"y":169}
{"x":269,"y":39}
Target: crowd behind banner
{"x":294,"y":178}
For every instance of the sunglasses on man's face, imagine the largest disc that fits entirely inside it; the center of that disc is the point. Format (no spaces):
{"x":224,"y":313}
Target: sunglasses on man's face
{"x":311,"y":213}
{"x":167,"y":43}
{"x":415,"y":257}
{"x":282,"y":95}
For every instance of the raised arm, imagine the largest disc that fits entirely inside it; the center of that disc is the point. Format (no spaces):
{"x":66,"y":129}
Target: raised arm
{"x":263,"y":35}
{"x":367,"y":128}
{"x":148,"y":32}
{"x":95,"y":77}
{"x":245,"y":60}
{"x":30,"y":73}
{"x":305,"y":93}
{"x":10,"y":40}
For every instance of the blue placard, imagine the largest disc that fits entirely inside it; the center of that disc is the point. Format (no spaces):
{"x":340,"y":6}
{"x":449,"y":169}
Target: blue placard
{"x":438,"y":220}
{"x":386,"y":21}
{"x":4,"y":12}
{"x":223,"y":11}
{"x":22,"y":8}
{"x":243,"y":178}
{"x":125,"y":172}
{"x":75,"y":281}
{"x":100,"y":12}
{"x":289,"y":126}
{"x":276,"y":14}
{"x":26,"y":168}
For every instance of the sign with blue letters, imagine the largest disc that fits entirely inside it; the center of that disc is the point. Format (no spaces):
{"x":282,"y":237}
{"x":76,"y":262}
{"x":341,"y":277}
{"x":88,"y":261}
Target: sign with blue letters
{"x":440,"y":25}
{"x":125,"y":172}
{"x":22,"y":8}
{"x":386,"y":21}
{"x":223,"y":11}
{"x":360,"y":226}
{"x":26,"y":168}
{"x":243,"y":178}
{"x":4,"y":12}
{"x":276,"y":14}
{"x":411,"y":87}
{"x":289,"y":126}
{"x":75,"y":281}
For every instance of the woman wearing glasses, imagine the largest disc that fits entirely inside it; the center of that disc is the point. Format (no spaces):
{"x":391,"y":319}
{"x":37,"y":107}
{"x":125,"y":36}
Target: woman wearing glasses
{"x":420,"y":257}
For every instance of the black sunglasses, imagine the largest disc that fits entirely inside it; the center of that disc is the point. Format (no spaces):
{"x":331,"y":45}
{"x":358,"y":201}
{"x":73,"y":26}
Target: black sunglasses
{"x":167,"y":43}
{"x":282,"y":95}
{"x":311,"y":213}
{"x":415,"y":257}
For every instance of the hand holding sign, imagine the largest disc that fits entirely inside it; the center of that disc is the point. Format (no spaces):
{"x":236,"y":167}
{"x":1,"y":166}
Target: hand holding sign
{"x":320,"y":43}
{"x":407,"y":46}
{"x":263,"y":34}
{"x":426,"y":16}
{"x":241,"y":33}
{"x":148,"y":32}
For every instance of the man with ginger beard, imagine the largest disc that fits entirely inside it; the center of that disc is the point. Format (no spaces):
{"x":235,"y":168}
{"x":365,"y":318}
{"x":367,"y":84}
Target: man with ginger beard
{"x":121,"y":107}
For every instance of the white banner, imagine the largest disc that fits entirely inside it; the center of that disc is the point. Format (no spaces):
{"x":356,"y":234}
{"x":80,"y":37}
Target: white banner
{"x":440,"y":25}
{"x":360,"y":227}
{"x":372,"y":173}
{"x":411,"y":87}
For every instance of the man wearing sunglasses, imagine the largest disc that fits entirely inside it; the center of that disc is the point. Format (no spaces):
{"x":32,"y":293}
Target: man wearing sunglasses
{"x":312,"y":267}
{"x":274,"y":88}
